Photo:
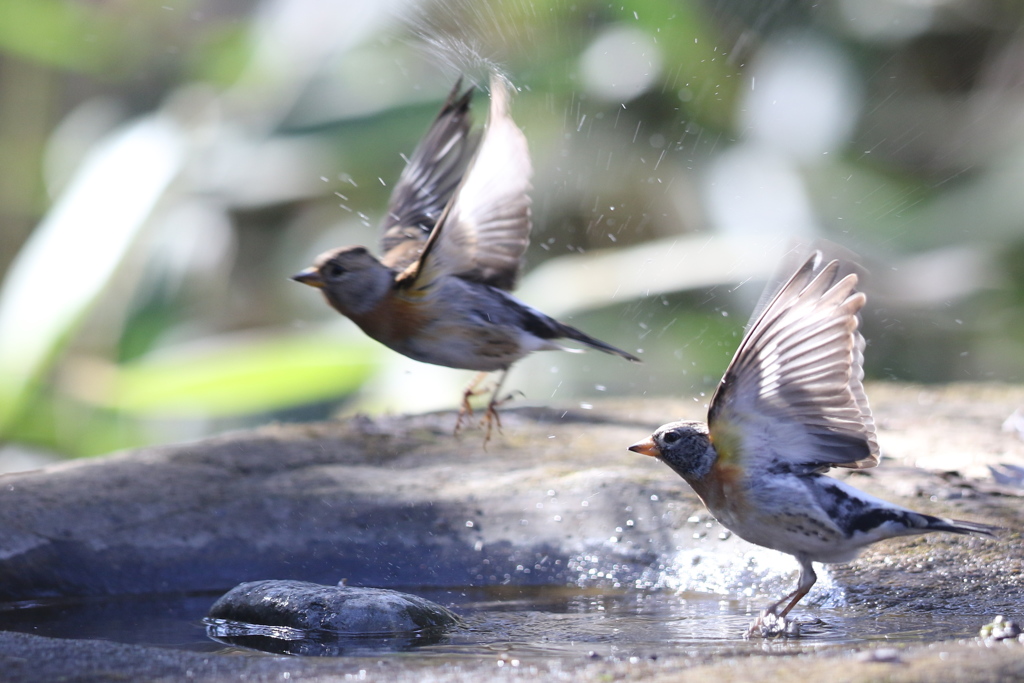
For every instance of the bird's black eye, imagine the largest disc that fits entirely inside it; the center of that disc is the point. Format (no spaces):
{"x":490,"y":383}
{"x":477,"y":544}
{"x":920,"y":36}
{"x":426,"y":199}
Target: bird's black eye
{"x":671,"y":437}
{"x":333,"y":270}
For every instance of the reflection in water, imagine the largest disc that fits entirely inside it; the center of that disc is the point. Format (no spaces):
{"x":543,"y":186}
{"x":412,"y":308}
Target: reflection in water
{"x":544,"y":621}
{"x":285,"y":640}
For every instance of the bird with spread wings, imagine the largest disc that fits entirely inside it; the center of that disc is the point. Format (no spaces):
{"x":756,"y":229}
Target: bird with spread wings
{"x":791,"y":406}
{"x":457,"y":226}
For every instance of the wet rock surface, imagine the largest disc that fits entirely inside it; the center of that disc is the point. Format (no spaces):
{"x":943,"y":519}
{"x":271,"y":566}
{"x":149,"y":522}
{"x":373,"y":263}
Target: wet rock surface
{"x":398,"y":501}
{"x":394,"y":501}
{"x":302,"y":618}
{"x":344,"y":610}
{"x":31,"y":658}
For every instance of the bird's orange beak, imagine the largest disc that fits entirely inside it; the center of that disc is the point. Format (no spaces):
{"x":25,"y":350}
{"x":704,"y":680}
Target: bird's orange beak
{"x":310,"y":276}
{"x":646,"y":447}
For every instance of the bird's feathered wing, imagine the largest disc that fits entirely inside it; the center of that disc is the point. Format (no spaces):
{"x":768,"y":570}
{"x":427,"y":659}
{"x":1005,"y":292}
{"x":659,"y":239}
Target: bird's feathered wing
{"x":794,"y":391}
{"x":486,"y":227}
{"x":428,"y":181}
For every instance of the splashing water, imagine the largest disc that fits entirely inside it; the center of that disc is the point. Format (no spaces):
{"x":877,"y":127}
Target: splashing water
{"x":759,"y":573}
{"x":753,"y":574}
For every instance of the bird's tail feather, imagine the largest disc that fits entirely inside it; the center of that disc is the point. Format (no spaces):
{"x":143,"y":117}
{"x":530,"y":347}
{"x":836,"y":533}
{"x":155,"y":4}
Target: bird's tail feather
{"x":583,"y":338}
{"x":959,"y":526}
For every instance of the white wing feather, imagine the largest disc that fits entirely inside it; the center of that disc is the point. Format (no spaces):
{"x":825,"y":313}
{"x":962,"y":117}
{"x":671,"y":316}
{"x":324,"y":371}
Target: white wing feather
{"x":486,"y":226}
{"x":794,"y":391}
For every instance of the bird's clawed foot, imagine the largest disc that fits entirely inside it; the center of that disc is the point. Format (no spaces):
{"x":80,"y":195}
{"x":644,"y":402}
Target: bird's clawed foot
{"x":771,"y":625}
{"x":466,"y":409}
{"x":491,"y":417}
{"x":490,"y":420}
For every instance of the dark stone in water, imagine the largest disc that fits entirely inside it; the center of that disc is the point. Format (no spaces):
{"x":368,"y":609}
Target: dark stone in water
{"x":297,"y":617}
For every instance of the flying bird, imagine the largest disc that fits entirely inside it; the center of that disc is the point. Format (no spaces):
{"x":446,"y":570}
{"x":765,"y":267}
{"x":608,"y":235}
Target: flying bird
{"x":790,"y":407}
{"x":456,"y":229}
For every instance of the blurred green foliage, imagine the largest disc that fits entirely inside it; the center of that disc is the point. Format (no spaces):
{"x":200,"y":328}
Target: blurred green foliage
{"x":290,"y":118}
{"x":255,"y":376}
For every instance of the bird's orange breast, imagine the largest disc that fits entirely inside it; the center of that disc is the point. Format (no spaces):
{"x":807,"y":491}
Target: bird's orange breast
{"x":722,"y":491}
{"x":394,"y":320}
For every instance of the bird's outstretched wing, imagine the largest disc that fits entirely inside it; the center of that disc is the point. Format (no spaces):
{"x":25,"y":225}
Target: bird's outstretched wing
{"x":428,"y":181}
{"x":486,"y":227}
{"x":794,"y":391}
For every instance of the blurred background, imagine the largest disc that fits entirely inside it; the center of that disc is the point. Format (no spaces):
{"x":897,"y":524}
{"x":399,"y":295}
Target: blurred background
{"x":167,"y":166}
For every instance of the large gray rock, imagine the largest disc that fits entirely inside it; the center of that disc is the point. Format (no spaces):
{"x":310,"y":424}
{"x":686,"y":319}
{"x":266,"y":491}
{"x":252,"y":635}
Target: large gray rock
{"x":394,"y":502}
{"x":398,"y":501}
{"x":386,"y":502}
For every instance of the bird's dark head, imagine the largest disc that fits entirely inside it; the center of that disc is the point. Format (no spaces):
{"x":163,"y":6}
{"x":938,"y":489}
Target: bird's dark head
{"x":351,"y":278}
{"x":684,"y":446}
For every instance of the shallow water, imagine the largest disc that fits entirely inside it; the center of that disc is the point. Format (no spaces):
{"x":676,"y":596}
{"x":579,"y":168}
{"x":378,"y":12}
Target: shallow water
{"x":507,"y":622}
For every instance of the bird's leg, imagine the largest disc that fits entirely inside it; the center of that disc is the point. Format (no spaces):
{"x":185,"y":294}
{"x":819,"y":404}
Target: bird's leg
{"x":466,"y":409}
{"x":807,"y":579}
{"x":491,"y":416}
{"x":771,"y":622}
